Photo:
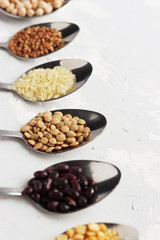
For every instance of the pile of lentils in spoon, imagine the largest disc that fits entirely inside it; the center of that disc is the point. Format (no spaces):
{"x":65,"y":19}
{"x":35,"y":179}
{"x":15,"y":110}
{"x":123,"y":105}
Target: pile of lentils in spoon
{"x":48,"y":132}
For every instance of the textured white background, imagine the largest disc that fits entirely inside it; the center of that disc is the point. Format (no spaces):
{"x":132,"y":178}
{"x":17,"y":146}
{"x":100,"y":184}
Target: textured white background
{"x":121,"y":39}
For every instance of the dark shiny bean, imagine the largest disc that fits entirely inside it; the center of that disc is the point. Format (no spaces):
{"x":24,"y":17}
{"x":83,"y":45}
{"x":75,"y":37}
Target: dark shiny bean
{"x":27,"y":191}
{"x":52,"y":205}
{"x":83,"y":181}
{"x":72,"y":193}
{"x":36,"y":196}
{"x":90,"y":182}
{"x":62,"y":168}
{"x":64,"y":207}
{"x":68,"y":176}
{"x":75,"y":185}
{"x":82,"y":201}
{"x":55,"y":195}
{"x":89,"y":192}
{"x":54,"y":175}
{"x":75,"y":170}
{"x":60,"y":182}
{"x":37,"y":186}
{"x":30,"y":182}
{"x":41,"y":174}
{"x":47,"y":184}
{"x":70,"y":201}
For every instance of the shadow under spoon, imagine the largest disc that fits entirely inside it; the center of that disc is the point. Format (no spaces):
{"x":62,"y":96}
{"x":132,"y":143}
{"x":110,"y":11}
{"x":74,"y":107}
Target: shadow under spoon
{"x":68,"y":30}
{"x":81,"y":68}
{"x":95,"y":121}
{"x":106,"y":176}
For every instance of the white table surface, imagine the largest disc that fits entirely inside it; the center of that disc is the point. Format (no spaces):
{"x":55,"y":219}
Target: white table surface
{"x":121,"y":39}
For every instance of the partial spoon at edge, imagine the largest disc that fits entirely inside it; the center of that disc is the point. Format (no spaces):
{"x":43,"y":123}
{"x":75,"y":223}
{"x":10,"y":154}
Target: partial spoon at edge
{"x":105,"y":175}
{"x":95,"y":121}
{"x":124,"y":231}
{"x":68,"y":30}
{"x":26,"y":18}
{"x":81,"y":68}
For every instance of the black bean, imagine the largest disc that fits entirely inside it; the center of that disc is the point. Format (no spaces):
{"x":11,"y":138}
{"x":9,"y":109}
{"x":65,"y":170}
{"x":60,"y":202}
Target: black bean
{"x":55,"y":195}
{"x":62,"y":167}
{"x":82,"y":201}
{"x":90,"y":182}
{"x":72,"y":193}
{"x":75,"y":185}
{"x":41,"y":174}
{"x":68,"y":176}
{"x":70,"y":201}
{"x":60,"y":182}
{"x":30,"y":182}
{"x":64,"y":207}
{"x":54,"y":175}
{"x":27,"y":191}
{"x":83,"y":181}
{"x":36,"y":196}
{"x":52,"y":205}
{"x":89,"y":192}
{"x":37,"y":186}
{"x":75,"y":170}
{"x":47,"y":184}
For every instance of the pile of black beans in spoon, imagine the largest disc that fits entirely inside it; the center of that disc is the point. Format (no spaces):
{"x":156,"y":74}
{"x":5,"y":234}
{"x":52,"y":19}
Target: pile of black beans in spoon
{"x":61,"y":188}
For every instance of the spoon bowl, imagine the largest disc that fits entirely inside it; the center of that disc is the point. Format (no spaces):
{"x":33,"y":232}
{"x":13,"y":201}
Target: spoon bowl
{"x":68,"y":30}
{"x":105,"y":175}
{"x":95,"y":121}
{"x":124,"y":231}
{"x":81,"y":68}
{"x":2,"y":11}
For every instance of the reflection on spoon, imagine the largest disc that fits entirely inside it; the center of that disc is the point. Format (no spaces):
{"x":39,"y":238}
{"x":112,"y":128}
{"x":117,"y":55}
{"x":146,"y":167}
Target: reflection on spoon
{"x":106,"y":176}
{"x":105,"y":230}
{"x":81,"y":68}
{"x":68,"y":30}
{"x":95,"y":121}
{"x":26,"y":18}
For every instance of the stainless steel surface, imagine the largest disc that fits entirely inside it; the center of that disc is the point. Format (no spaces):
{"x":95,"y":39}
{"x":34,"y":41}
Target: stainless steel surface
{"x":105,"y":175}
{"x":124,"y":231}
{"x":4,"y":192}
{"x":81,"y":68}
{"x":96,"y":121}
{"x":68,"y":30}
{"x":2,"y":11}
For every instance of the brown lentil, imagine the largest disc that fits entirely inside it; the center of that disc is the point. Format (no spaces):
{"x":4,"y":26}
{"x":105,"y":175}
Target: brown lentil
{"x":44,"y":136}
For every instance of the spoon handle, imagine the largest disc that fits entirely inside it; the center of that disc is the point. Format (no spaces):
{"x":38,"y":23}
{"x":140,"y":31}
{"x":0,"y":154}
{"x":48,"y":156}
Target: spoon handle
{"x":10,"y":192}
{"x":4,"y":45}
{"x":8,"y":133}
{"x":6,"y":86}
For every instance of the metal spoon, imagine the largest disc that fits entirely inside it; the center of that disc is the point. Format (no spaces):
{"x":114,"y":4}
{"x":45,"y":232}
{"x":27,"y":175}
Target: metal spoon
{"x":105,"y":175}
{"x":68,"y":30}
{"x":26,"y":18}
{"x":124,"y":231}
{"x":95,"y":121}
{"x":81,"y":68}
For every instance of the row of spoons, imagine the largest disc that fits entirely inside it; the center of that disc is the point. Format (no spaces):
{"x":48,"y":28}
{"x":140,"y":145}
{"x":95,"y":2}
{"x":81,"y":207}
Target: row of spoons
{"x":105,"y":175}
